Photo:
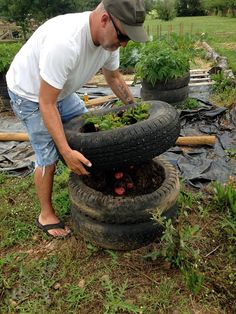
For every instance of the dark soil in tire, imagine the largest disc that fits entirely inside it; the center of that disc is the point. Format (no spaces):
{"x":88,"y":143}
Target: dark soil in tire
{"x":156,"y":189}
{"x":119,"y":236}
{"x":132,"y":144}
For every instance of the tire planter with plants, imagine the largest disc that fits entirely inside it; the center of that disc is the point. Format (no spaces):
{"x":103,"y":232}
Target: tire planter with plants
{"x":163,"y":68}
{"x":124,"y":223}
{"x":131,"y":144}
{"x":174,"y":91}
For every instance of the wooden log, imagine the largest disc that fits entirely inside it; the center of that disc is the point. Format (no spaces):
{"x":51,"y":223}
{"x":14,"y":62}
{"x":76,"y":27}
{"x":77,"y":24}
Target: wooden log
{"x":19,"y":137}
{"x":185,"y":141}
{"x":196,"y":140}
{"x":100,"y":100}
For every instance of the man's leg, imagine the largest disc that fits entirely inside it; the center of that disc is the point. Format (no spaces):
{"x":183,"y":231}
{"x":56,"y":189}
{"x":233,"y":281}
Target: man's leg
{"x":43,"y":179}
{"x":46,"y":157}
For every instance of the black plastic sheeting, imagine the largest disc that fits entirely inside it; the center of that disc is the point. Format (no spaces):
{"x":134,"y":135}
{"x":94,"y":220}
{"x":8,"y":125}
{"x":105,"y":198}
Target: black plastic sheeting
{"x":196,"y":165}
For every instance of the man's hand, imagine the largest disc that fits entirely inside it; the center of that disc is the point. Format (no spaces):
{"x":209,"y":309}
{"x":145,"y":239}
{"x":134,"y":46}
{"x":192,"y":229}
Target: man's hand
{"x":75,"y":161}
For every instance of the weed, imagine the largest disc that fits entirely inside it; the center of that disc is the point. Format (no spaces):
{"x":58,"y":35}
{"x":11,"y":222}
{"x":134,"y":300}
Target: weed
{"x":75,"y":296}
{"x":62,"y":203}
{"x":115,"y":299}
{"x":231,"y":153}
{"x":161,"y":300}
{"x":91,"y":249}
{"x":188,"y":201}
{"x":225,"y":201}
{"x":17,"y":235}
{"x":225,"y":196}
{"x":177,"y":247}
{"x":2,"y":178}
{"x":190,"y":103}
{"x":224,"y":90}
{"x":203,"y":210}
{"x":114,"y":256}
{"x":193,"y":279}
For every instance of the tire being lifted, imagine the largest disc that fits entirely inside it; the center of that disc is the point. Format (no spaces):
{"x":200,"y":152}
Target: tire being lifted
{"x":132,"y":144}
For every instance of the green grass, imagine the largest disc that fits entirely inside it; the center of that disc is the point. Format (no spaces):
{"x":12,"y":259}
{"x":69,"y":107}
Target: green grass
{"x":217,"y":32}
{"x":192,"y":270}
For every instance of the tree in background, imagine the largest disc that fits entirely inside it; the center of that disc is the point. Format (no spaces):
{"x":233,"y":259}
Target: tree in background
{"x":46,"y":9}
{"x":86,"y":5}
{"x":166,"y":9}
{"x":18,"y":11}
{"x":189,"y":7}
{"x":150,"y":5}
{"x":27,"y":12}
{"x":220,"y":7}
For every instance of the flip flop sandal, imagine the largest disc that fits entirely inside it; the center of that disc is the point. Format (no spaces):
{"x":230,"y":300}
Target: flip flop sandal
{"x":46,"y":228}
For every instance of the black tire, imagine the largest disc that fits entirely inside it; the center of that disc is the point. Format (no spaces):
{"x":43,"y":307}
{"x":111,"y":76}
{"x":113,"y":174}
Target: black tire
{"x":173,"y":91}
{"x":119,"y":236}
{"x":131,"y":144}
{"x":169,"y":84}
{"x":172,"y":96}
{"x":126,"y":209}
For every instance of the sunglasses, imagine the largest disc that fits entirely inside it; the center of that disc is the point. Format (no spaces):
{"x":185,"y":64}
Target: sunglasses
{"x":121,"y":37}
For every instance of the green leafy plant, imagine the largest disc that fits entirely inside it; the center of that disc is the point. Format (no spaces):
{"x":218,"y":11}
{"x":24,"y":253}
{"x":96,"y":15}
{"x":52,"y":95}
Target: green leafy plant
{"x":190,"y":103}
{"x":113,"y":121}
{"x":193,"y":279}
{"x":177,"y":247}
{"x":225,"y":196}
{"x":7,"y":54}
{"x":225,"y":200}
{"x":129,"y":56}
{"x":159,"y":62}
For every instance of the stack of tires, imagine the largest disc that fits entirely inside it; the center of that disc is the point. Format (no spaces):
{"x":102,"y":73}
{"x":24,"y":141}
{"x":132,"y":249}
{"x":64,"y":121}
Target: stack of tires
{"x":125,"y":223}
{"x":174,"y":91}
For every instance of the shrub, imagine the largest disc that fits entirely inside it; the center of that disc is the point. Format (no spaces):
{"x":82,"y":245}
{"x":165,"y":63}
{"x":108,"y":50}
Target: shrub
{"x":166,"y":9}
{"x":7,"y":54}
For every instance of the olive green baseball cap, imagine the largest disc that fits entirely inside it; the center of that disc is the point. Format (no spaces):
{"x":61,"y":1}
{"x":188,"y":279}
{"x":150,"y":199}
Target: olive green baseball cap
{"x":131,"y":14}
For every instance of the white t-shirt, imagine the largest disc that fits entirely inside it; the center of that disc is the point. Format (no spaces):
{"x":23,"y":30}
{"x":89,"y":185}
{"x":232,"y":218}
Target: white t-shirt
{"x":62,"y":52}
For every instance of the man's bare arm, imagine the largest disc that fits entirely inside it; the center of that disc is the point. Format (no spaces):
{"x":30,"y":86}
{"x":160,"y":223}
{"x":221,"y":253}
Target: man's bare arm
{"x":48,"y":107}
{"x":118,"y":85}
